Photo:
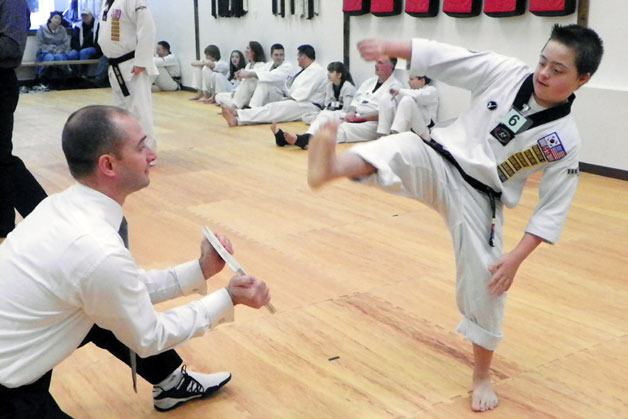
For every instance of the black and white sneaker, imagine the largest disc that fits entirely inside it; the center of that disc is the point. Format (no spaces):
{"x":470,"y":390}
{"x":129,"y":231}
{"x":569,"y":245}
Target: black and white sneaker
{"x":191,"y":385}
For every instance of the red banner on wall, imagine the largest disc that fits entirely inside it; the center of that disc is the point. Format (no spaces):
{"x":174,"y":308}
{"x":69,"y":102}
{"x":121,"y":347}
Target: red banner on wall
{"x":462,"y":8}
{"x":356,"y":7}
{"x":385,"y":7}
{"x":502,"y":8}
{"x":552,"y":7}
{"x":422,"y":8}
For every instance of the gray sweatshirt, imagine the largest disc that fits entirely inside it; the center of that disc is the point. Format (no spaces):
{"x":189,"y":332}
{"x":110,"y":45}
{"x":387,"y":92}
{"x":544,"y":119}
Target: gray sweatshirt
{"x":54,"y":42}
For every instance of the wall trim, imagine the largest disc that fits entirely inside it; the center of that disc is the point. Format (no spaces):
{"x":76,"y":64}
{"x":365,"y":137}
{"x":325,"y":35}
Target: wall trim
{"x":604,"y":171}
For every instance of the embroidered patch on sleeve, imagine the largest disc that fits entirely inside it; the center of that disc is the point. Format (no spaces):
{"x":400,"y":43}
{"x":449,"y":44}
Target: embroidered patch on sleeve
{"x":551,"y":147}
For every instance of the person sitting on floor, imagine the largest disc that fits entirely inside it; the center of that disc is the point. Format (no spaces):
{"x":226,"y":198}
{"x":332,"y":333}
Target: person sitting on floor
{"x":168,"y":67}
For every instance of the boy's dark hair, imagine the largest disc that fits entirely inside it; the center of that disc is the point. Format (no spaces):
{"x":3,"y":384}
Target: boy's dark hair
{"x":258,"y":52}
{"x":165,"y":45}
{"x":276,"y":46}
{"x":213,"y":51}
{"x":339,"y":67}
{"x":585,"y":42}
{"x":307,"y":50}
{"x":89,"y":133}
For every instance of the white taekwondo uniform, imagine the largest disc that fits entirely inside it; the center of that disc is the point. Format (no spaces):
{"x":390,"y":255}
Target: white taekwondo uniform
{"x":169,"y":71}
{"x":241,"y":96}
{"x":306,"y":94}
{"x":213,"y":81}
{"x":333,"y":105}
{"x":270,"y":83}
{"x":414,"y":109}
{"x":408,"y":166}
{"x":366,"y":102}
{"x":127,"y":26}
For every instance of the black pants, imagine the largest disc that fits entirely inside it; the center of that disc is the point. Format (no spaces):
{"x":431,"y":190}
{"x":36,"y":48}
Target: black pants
{"x":19,"y":190}
{"x":35,"y":401}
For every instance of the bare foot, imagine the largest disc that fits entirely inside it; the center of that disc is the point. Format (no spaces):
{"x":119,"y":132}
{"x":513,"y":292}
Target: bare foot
{"x":208,"y":100}
{"x":230,"y":116}
{"x":197,"y":97}
{"x":290,"y":138}
{"x":483,"y":397}
{"x":321,"y":156}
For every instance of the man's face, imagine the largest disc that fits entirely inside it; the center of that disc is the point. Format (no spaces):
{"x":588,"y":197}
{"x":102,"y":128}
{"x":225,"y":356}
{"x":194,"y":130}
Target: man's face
{"x":556,"y":76}
{"x":161,"y":51}
{"x":87,"y":18}
{"x":302,"y":60}
{"x":132,"y":164}
{"x":278,"y":56}
{"x":383,"y":68}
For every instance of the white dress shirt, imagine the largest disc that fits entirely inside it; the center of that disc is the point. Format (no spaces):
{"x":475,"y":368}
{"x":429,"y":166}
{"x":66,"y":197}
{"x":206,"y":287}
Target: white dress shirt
{"x":64,"y":268}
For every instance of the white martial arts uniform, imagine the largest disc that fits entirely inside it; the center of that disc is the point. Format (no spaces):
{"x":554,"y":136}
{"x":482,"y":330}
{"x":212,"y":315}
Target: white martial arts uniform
{"x":366,"y":102}
{"x":169,"y":72}
{"x":241,"y":96}
{"x":212,"y":81}
{"x":408,"y":166}
{"x":332,"y":103}
{"x":306,"y":94}
{"x":270,"y":83}
{"x":411,"y":109}
{"x":128,"y":26}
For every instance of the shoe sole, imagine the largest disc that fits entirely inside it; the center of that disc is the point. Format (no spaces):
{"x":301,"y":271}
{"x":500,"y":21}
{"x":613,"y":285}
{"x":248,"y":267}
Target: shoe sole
{"x":179,"y":402}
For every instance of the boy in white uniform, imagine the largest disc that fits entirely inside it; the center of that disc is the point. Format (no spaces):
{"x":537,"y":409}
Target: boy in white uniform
{"x":518,"y":123}
{"x":127,"y":38}
{"x":410,"y":109}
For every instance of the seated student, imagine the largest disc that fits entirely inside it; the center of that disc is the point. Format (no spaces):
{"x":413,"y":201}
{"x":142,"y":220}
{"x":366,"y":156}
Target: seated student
{"x":305,"y":94}
{"x":338,"y":96}
{"x":212,"y":75}
{"x":410,"y":109}
{"x":168,"y":67}
{"x":271,"y":78}
{"x":361,"y":121}
{"x":241,"y":96}
{"x":53,"y":44}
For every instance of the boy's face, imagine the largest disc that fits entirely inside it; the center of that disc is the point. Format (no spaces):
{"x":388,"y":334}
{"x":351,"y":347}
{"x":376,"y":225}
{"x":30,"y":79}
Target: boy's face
{"x":416,"y":82}
{"x":556,"y":76}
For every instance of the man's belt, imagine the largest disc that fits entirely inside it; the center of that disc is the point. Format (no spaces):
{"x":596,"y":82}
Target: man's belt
{"x":114,"y":62}
{"x":492,"y":194}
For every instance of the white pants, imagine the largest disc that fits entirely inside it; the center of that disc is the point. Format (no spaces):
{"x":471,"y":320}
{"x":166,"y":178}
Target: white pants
{"x":401,"y":116}
{"x":209,"y":81}
{"x":283,"y":111}
{"x":165,"y":82}
{"x":240,"y":97}
{"x":407,"y":166}
{"x":353,"y":132}
{"x":139,"y":102}
{"x":265,"y":93}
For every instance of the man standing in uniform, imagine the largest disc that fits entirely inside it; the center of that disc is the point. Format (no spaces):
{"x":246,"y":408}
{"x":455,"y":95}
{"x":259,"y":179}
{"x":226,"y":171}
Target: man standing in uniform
{"x":127,"y":38}
{"x":19,"y":190}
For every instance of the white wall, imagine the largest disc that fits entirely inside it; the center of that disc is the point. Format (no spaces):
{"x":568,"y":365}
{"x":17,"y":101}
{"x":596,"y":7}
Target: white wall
{"x":324,"y":32}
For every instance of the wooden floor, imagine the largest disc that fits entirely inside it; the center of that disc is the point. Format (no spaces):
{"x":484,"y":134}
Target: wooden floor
{"x":363,"y":282}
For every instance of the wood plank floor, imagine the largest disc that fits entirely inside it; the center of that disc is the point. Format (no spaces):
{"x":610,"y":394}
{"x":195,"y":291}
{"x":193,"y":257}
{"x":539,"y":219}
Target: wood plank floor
{"x":355,"y":274}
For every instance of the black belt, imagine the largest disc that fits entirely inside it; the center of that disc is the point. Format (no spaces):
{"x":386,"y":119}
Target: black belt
{"x":492,"y":194}
{"x":114,"y":62}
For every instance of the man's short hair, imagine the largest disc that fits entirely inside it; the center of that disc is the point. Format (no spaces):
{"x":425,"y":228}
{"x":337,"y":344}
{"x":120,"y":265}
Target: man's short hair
{"x":307,"y":50}
{"x":89,"y":133}
{"x":586,"y":44}
{"x":213,"y":51}
{"x":276,"y":46}
{"x":165,"y":45}
{"x":393,"y":61}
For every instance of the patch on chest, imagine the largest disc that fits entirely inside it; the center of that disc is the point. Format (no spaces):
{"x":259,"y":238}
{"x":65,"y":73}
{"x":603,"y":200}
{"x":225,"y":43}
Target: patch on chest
{"x":551,"y":147}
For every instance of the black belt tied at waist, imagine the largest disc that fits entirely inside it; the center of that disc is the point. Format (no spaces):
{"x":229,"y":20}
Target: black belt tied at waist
{"x":492,"y":194}
{"x":114,"y":62}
